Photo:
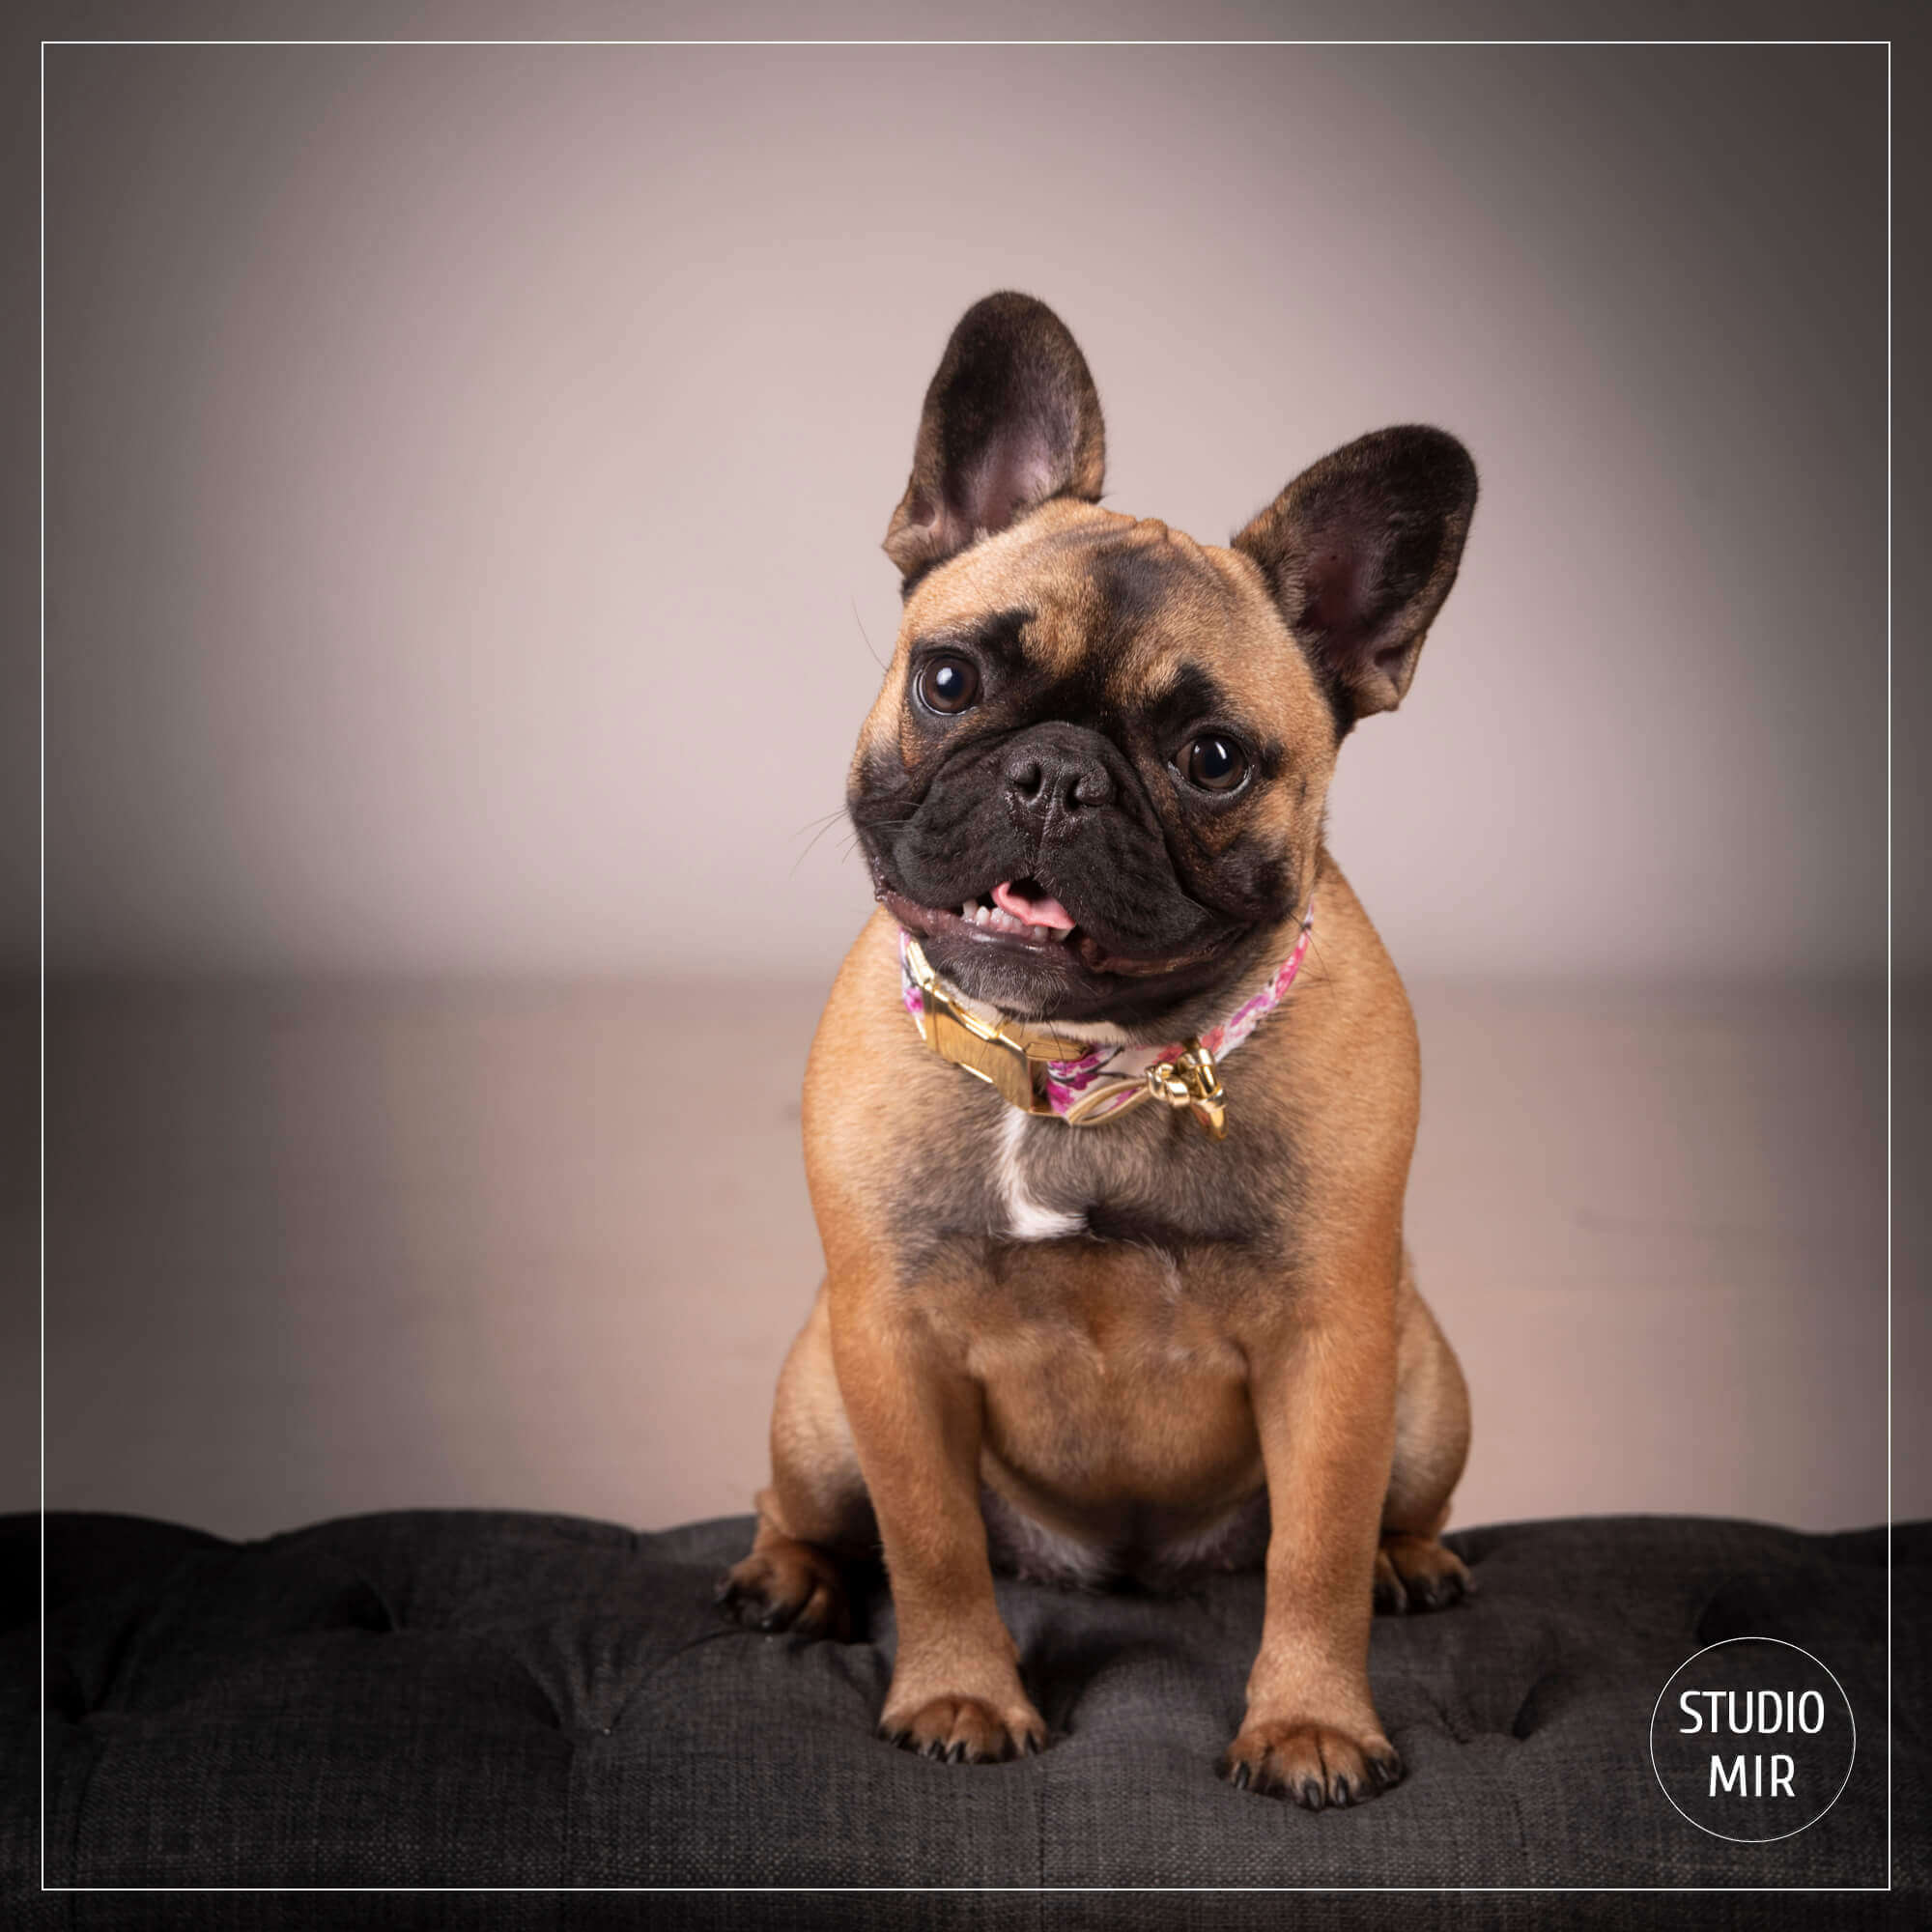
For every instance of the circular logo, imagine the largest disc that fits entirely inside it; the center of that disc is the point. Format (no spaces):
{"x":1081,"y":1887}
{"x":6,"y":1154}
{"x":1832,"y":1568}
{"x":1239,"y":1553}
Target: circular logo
{"x":1752,"y":1739}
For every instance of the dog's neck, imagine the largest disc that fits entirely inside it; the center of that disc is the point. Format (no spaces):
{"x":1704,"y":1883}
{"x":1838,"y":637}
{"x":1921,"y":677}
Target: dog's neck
{"x":1089,"y":1072}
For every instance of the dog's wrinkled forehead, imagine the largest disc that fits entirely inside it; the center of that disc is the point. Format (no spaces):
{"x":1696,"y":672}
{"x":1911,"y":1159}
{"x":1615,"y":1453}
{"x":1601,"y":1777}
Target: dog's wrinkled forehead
{"x":1112,"y":614}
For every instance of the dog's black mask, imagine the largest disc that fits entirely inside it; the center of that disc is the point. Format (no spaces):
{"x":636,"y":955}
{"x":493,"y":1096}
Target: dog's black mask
{"x":1064,"y":793}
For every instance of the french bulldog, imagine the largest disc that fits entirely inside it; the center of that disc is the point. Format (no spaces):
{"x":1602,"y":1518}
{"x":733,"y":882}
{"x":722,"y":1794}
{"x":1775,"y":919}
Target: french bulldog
{"x":1108,"y":1120}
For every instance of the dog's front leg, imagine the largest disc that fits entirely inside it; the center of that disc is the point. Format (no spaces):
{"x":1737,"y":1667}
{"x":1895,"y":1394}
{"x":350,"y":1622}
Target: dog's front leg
{"x":915,"y":1423}
{"x":1323,"y":1391}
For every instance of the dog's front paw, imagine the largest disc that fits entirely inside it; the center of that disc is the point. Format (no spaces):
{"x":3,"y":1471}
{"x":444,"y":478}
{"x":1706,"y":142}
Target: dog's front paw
{"x":1416,"y":1573}
{"x":784,"y":1584}
{"x":1313,"y":1765}
{"x":966,"y":1730}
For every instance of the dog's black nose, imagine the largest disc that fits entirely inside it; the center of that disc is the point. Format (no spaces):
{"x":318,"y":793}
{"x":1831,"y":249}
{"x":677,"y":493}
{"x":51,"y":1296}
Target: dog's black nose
{"x":1052,"y":780}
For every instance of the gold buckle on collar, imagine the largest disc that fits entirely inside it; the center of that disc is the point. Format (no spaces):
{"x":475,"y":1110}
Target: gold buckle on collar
{"x":1014,"y":1063}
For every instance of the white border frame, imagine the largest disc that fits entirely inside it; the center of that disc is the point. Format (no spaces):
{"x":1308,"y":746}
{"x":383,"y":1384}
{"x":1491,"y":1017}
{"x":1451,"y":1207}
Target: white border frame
{"x":996,"y":43}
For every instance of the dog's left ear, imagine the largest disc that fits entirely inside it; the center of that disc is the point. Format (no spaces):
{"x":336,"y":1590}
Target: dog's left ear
{"x":1010,"y":419}
{"x":1360,"y":551}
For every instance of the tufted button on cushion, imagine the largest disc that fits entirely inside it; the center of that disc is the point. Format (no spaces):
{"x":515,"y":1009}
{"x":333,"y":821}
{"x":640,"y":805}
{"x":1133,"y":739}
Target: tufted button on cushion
{"x":491,"y":1699}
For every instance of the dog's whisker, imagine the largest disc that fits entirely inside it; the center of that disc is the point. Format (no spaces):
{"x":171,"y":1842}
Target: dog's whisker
{"x":860,"y":622}
{"x":830,"y":819}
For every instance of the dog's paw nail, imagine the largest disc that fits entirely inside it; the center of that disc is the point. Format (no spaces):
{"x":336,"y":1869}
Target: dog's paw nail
{"x":1243,"y":1777}
{"x":957,"y":1752}
{"x":1034,"y":1746}
{"x":1312,"y":1794}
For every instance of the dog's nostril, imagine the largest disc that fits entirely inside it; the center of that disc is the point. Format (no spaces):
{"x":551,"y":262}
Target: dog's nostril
{"x":1026,"y":779}
{"x":1091,"y":787}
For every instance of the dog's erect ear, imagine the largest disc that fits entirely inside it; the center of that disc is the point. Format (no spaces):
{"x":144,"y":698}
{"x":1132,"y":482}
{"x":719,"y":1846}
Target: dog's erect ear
{"x":1010,"y":419}
{"x":1360,"y":551}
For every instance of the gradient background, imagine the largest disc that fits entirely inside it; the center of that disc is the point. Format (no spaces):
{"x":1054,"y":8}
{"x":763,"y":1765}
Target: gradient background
{"x":465,"y":466}
{"x":465,"y":473}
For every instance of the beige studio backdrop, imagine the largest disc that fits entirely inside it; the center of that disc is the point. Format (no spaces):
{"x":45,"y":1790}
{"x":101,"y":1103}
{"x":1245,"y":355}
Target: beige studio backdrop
{"x":465,"y":469}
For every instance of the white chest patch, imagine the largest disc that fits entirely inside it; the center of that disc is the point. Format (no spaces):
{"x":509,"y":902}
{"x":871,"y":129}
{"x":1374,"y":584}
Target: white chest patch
{"x":1027,"y":1220}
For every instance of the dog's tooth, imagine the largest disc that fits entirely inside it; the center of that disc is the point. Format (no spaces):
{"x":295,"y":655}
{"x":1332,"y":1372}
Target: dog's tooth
{"x":966,"y":911}
{"x":1036,"y":932}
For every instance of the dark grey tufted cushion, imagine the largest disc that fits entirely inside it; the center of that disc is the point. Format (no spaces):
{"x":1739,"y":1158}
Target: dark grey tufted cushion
{"x":474,"y":1699}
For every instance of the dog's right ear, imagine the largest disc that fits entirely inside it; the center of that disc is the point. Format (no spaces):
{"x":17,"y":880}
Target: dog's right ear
{"x":1011,"y":418}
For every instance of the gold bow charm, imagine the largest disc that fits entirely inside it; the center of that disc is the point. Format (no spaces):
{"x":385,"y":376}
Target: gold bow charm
{"x":1192,"y":1082}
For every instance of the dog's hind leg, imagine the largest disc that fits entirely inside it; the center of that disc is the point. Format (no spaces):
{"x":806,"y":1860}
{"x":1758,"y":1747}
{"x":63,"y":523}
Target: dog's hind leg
{"x":1414,"y":1569}
{"x":815,"y":1516}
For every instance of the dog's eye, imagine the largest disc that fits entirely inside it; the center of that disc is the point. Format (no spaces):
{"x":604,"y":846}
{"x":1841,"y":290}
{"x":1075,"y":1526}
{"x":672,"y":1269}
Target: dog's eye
{"x":1213,"y":763}
{"x":948,"y":685}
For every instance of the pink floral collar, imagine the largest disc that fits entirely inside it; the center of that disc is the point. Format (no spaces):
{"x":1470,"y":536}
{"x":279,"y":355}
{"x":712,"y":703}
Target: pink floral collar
{"x":1080,"y":1083}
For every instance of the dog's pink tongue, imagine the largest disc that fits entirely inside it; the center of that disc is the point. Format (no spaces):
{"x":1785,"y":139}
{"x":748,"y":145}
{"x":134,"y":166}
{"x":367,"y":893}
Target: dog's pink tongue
{"x":1035,"y":911}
